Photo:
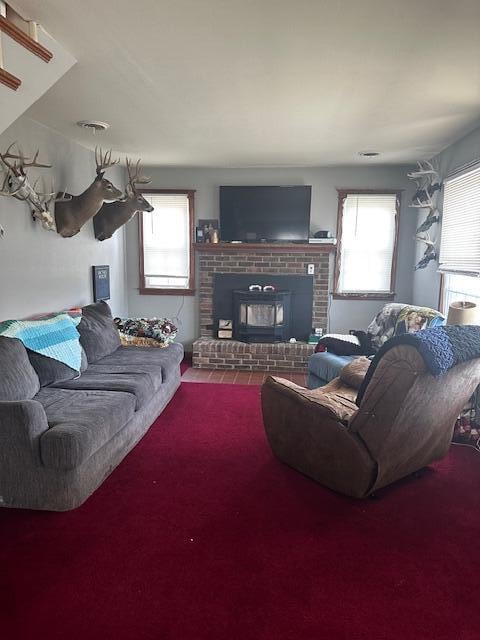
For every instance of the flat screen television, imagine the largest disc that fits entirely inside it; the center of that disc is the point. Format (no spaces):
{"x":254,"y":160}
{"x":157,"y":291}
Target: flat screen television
{"x":271,"y":214}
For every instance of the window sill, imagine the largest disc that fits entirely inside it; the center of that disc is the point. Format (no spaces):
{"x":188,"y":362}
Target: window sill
{"x":151,"y":291}
{"x":364,"y":296}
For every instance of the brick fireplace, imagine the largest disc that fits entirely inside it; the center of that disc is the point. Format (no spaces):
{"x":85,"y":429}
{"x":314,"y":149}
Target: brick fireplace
{"x":212,"y":353}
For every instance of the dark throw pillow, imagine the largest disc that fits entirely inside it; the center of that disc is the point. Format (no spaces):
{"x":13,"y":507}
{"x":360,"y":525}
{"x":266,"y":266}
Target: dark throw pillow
{"x":50,"y":370}
{"x":341,"y":345}
{"x":98,"y":334}
{"x":18,"y":380}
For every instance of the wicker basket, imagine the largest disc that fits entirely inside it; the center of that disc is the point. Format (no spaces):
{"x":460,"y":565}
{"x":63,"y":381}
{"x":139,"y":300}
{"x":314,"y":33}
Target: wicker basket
{"x":136,"y":341}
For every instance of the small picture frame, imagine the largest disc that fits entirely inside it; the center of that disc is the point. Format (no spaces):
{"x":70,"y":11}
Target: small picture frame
{"x":199,"y":235}
{"x":101,"y":282}
{"x":210,"y":229}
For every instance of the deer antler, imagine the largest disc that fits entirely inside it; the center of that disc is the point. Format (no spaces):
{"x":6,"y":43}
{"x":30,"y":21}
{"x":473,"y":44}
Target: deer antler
{"x":45,"y":196}
{"x":63,"y":196}
{"x":8,"y":188}
{"x":426,"y":240}
{"x":19,"y":168}
{"x":425,"y":169}
{"x":40,"y":202}
{"x":104,"y":160}
{"x":3,"y":191}
{"x":5,"y":157}
{"x":136,"y":178}
{"x":418,"y":203}
{"x":34,"y":162}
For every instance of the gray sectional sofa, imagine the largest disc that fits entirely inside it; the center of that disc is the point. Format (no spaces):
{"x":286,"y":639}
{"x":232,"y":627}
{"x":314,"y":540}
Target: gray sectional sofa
{"x":62,"y":434}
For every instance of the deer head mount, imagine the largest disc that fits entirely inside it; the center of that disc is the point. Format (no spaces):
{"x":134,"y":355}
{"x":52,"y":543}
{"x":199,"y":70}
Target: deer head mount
{"x":72,"y":212}
{"x":115,"y":214}
{"x":16,"y":184}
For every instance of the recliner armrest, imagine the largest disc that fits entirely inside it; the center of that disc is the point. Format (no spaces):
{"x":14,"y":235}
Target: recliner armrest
{"x":328,"y":403}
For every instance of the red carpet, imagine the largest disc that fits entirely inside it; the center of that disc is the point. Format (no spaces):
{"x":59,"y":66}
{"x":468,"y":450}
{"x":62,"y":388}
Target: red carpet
{"x":201,"y":535}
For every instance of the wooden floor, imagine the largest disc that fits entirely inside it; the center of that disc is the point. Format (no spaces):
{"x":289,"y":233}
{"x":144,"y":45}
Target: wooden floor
{"x":238,"y":377}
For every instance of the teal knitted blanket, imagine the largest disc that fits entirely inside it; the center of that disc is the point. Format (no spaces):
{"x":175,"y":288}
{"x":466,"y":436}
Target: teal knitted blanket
{"x":56,"y":337}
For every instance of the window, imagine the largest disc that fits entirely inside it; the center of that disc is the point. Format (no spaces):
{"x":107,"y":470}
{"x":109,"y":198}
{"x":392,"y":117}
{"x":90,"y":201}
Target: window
{"x":460,"y":239}
{"x":367,"y":230}
{"x":165,"y":235}
{"x":459,"y":288}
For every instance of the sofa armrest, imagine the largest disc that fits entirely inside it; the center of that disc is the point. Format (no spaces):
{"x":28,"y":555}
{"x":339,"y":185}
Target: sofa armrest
{"x":327,"y":402}
{"x":21,"y":425}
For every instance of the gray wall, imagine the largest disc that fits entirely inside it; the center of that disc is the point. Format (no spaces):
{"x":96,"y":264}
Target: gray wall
{"x":344,"y":314}
{"x":41,"y":271}
{"x":426,"y":282}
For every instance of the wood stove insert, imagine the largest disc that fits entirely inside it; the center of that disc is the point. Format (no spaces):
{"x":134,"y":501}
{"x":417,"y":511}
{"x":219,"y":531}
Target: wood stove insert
{"x":261,"y":316}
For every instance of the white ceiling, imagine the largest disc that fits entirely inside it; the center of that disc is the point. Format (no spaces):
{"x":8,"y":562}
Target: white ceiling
{"x":236,"y":83}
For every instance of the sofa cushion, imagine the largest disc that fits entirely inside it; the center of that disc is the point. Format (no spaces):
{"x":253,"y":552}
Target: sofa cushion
{"x":50,"y":370}
{"x":98,"y":334}
{"x":139,"y":384}
{"x":80,"y":423}
{"x":18,"y":380}
{"x":153,"y":371}
{"x":166,"y":359}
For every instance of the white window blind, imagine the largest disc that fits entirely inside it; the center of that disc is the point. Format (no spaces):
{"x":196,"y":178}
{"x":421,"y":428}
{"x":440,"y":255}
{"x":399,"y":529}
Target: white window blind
{"x":166,"y":241}
{"x":367,"y":243}
{"x":460,"y":239}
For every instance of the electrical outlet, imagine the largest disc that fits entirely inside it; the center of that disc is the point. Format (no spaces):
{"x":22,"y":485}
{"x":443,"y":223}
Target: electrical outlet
{"x":310,"y":269}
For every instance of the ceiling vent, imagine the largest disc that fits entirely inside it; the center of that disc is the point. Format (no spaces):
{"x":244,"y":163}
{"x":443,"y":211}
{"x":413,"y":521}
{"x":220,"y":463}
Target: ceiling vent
{"x":369,"y":154}
{"x":95,"y":126}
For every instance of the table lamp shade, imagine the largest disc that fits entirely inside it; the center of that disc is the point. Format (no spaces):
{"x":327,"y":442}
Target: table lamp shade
{"x":463,"y":312}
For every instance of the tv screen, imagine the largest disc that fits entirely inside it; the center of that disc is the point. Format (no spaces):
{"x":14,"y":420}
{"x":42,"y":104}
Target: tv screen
{"x":253,"y":214}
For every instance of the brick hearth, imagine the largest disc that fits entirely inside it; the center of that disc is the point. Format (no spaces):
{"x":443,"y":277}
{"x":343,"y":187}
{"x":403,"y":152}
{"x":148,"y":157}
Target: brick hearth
{"x":211,"y":353}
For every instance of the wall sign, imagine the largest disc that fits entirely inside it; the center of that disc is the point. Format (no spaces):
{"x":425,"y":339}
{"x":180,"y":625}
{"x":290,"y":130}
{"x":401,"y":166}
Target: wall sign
{"x":101,"y":282}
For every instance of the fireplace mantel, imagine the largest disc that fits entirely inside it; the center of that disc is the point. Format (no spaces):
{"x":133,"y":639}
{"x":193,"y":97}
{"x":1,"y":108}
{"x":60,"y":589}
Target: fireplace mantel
{"x":250,"y":247}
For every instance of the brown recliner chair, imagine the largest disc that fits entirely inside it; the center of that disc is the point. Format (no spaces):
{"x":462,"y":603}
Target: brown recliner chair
{"x":404,"y":422}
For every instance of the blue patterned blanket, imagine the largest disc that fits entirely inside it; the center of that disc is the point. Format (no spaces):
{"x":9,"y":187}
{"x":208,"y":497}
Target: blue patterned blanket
{"x":440,"y":347}
{"x":56,"y":337}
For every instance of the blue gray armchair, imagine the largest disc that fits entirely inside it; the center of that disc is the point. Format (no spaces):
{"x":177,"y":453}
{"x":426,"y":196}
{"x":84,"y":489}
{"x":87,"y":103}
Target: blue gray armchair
{"x":394,"y":319}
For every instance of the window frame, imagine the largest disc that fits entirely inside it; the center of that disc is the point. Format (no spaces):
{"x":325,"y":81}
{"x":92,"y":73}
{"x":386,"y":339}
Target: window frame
{"x":190,"y":290}
{"x":367,"y":295}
